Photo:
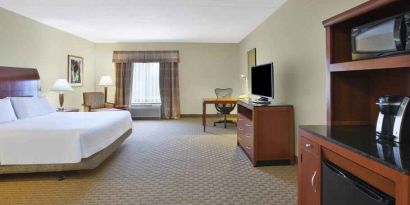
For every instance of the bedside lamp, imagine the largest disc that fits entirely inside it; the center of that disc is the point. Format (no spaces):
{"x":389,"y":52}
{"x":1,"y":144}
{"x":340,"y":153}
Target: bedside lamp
{"x":60,"y":86}
{"x":105,"y":81}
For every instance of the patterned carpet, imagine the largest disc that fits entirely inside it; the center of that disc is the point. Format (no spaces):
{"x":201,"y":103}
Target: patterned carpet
{"x":163,"y":162}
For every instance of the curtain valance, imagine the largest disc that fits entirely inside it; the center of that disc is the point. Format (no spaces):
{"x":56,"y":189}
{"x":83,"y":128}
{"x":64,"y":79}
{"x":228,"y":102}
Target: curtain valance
{"x":145,"y":56}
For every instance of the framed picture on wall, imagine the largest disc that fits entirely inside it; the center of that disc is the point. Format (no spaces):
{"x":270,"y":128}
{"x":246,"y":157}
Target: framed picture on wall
{"x":75,"y":70}
{"x":251,"y":63}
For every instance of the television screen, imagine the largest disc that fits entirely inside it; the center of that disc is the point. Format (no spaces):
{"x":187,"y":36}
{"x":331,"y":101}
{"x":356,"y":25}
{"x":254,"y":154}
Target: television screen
{"x":262,"y":80}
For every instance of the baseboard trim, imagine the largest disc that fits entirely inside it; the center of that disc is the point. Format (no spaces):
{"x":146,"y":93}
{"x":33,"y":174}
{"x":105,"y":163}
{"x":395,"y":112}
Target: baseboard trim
{"x":200,"y":115}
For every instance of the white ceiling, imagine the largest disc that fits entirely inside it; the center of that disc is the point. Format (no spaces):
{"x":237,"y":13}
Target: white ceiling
{"x":218,"y":21}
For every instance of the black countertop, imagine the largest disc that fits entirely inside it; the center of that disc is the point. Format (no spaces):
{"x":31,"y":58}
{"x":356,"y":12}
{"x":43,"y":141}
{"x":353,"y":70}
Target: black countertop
{"x":362,"y":140}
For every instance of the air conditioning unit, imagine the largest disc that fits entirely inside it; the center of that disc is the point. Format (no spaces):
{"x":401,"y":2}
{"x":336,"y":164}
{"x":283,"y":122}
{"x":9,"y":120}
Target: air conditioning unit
{"x":146,"y":111}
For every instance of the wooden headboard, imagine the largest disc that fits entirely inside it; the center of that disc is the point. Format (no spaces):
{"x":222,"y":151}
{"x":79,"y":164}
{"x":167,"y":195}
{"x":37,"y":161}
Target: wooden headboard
{"x":19,"y":82}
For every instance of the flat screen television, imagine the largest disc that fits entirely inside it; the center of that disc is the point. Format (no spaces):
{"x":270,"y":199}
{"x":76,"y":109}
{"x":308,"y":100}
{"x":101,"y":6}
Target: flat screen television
{"x":262,"y":81}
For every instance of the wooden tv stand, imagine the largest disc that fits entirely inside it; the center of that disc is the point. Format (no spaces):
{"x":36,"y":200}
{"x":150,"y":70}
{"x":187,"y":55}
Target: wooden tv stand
{"x":266,"y":133}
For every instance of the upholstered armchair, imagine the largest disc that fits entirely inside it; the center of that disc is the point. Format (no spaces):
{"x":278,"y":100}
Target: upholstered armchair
{"x":95,"y":102}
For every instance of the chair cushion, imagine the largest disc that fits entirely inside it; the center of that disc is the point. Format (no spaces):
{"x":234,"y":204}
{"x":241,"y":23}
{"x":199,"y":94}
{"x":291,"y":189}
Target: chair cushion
{"x":104,"y":109}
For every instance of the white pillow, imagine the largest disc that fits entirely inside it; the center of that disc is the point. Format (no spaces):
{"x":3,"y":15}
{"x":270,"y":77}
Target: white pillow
{"x":26,"y":107}
{"x":6,"y":111}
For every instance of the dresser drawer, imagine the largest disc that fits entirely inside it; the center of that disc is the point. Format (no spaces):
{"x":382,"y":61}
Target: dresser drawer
{"x":248,"y":127}
{"x":244,"y":125}
{"x":249,"y":150}
{"x":242,"y":119}
{"x":246,"y":138}
{"x":246,"y":143}
{"x":309,"y":145}
{"x":245,"y":131}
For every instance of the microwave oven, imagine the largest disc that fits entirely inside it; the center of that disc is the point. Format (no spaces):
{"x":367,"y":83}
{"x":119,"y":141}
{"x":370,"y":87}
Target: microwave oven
{"x":389,"y":36}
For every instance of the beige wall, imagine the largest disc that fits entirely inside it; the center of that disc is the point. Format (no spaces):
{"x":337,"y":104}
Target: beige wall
{"x":202,"y":68}
{"x":27,"y":43}
{"x":294,"y":39}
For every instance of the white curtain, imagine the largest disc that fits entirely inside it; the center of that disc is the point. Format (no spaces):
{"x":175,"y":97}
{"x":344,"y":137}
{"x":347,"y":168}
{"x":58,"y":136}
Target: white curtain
{"x":145,"y":86}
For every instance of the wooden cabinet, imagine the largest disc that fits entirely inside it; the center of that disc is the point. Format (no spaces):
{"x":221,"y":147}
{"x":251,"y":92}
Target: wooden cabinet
{"x":266,"y":133}
{"x":353,"y":86}
{"x":327,"y":146}
{"x":309,"y":172}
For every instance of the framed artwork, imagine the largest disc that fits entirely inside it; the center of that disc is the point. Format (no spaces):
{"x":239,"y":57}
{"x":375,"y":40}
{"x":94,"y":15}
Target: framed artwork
{"x":75,"y":70}
{"x":251,"y":63}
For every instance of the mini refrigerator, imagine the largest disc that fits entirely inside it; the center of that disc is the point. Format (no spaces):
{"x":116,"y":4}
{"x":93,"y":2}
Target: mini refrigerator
{"x":342,"y":188}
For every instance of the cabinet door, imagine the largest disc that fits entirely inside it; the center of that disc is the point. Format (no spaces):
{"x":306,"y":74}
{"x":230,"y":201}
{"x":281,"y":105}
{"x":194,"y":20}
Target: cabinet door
{"x":308,"y":177}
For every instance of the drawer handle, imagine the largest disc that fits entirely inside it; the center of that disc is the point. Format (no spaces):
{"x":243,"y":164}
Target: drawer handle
{"x":313,"y":180}
{"x":240,"y":119}
{"x":239,"y":128}
{"x":248,"y":136}
{"x":249,"y":124}
{"x":248,"y":147}
{"x":308,"y":145}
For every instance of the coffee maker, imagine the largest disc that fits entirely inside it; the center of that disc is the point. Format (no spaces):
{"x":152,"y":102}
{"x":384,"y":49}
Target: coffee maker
{"x":393,"y":123}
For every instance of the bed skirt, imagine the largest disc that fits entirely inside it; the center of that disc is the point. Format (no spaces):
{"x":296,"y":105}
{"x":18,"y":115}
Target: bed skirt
{"x":88,"y":163}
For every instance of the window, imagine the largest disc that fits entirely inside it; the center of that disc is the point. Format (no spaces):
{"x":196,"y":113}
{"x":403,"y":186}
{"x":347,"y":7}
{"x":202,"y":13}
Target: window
{"x":145,"y":85}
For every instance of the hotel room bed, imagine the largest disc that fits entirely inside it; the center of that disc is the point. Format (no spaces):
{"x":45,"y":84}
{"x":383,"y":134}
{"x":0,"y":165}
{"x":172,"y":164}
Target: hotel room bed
{"x":60,"y":137}
{"x":59,"y":141}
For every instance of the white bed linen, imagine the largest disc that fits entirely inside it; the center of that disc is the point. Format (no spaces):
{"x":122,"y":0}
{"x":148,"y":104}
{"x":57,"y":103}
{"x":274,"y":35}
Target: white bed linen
{"x":60,"y":137}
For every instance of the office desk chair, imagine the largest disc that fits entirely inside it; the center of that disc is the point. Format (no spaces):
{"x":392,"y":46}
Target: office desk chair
{"x":224,"y":109}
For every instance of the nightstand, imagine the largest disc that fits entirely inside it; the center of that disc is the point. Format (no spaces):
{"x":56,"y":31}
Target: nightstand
{"x":69,"y":110}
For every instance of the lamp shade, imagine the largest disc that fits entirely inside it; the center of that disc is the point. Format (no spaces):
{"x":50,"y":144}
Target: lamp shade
{"x":61,"y":85}
{"x":105,"y":80}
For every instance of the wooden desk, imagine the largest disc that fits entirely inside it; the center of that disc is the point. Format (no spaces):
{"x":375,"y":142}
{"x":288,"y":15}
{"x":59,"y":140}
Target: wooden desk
{"x":214,"y":101}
